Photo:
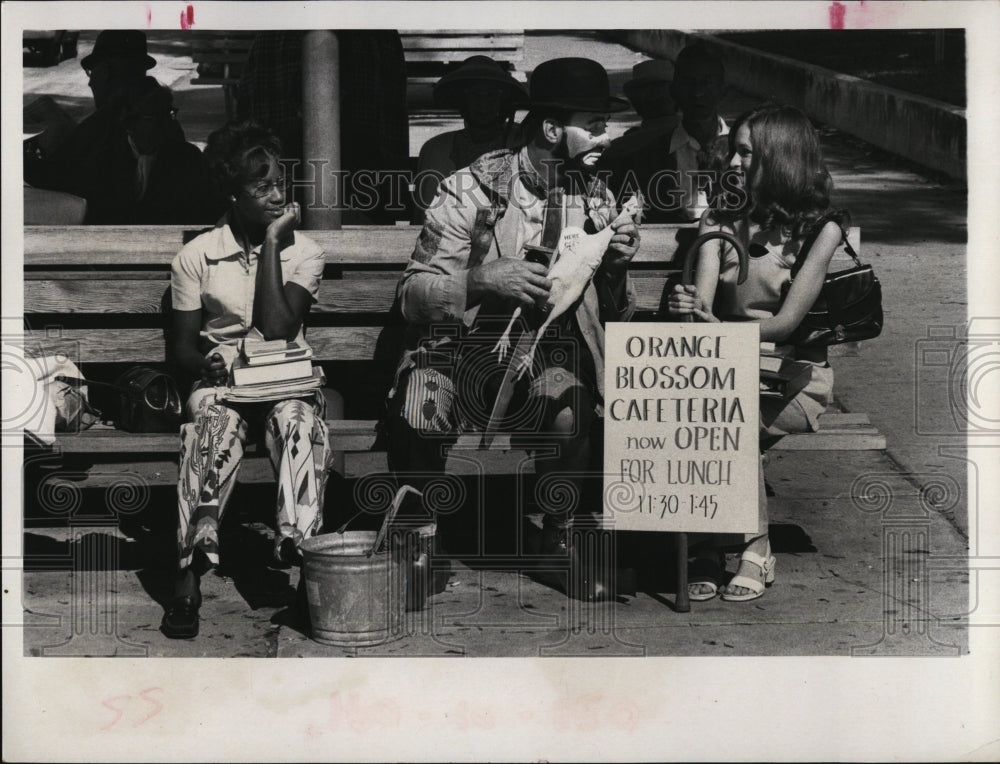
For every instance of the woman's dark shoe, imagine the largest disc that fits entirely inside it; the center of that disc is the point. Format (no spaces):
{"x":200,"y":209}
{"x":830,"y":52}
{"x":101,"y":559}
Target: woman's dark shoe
{"x":180,"y":621}
{"x":180,"y":617}
{"x":287,"y":553}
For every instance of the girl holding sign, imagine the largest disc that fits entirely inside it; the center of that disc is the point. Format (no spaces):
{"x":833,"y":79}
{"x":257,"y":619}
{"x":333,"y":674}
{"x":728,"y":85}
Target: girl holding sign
{"x":782,"y":211}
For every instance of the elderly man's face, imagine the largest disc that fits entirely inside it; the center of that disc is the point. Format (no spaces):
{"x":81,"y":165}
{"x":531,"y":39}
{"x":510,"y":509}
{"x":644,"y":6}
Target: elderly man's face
{"x":585,"y":137}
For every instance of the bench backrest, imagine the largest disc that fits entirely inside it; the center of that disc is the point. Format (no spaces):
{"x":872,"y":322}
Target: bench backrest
{"x":99,"y":290}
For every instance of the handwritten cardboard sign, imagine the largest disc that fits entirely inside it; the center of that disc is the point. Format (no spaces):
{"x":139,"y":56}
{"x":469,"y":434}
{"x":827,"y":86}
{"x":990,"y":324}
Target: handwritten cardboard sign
{"x":681,"y":426}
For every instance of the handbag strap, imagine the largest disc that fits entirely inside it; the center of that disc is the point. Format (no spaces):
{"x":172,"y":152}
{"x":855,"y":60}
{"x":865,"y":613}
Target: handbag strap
{"x":172,"y":401}
{"x":811,"y":239}
{"x":81,"y":382}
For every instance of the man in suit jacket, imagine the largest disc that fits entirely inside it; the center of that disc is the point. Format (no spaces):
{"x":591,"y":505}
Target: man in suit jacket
{"x":665,"y":154}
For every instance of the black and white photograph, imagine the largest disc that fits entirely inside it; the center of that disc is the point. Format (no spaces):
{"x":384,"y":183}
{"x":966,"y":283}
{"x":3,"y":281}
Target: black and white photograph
{"x":652,"y":345}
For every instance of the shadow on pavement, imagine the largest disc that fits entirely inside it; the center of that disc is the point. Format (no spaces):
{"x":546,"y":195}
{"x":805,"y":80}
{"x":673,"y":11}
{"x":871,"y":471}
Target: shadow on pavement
{"x":892,"y":200}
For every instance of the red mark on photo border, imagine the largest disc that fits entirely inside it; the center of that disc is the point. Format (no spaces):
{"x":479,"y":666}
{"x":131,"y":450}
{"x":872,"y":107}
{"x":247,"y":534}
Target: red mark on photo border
{"x":837,"y":12}
{"x":187,"y":17}
{"x":111,"y":705}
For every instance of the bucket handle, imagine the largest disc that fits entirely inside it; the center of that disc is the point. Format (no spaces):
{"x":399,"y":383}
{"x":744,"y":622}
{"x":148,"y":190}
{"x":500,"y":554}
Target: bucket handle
{"x":390,"y":516}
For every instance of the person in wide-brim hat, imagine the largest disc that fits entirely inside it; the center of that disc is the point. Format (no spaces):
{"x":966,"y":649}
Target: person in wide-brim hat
{"x":120,"y":44}
{"x":654,"y":73}
{"x":573,"y":84}
{"x":477,"y":70}
{"x":487,"y":97}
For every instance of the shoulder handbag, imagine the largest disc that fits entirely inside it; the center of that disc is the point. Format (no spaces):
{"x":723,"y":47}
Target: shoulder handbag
{"x":849,"y":306}
{"x":148,"y":400}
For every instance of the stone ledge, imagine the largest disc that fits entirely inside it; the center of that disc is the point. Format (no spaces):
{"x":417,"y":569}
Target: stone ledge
{"x":920,"y":129}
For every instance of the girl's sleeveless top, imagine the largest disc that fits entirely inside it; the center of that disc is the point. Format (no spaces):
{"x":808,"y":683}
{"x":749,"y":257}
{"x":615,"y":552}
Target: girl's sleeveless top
{"x":760,"y":297}
{"x":770,"y":273}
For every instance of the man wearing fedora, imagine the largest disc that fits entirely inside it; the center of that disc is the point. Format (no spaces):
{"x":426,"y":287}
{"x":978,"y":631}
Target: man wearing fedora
{"x":119,"y":58}
{"x":664,"y":155}
{"x":486,"y":96}
{"x":115,"y":68}
{"x":118,"y":63}
{"x":469,"y":271}
{"x":129,"y":159}
{"x":649,"y":92}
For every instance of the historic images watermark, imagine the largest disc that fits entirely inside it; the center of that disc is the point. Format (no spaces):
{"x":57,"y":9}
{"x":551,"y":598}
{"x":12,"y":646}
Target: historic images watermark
{"x":53,"y":490}
{"x":958,"y":380}
{"x":956,"y":389}
{"x":318,"y":186}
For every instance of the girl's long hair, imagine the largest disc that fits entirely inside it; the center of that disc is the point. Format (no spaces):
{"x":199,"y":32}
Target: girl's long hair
{"x":789,"y":185}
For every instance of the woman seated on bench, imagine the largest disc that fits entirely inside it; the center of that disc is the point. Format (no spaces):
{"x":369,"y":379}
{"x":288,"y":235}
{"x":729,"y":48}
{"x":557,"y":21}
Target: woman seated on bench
{"x":252,"y":271}
{"x":785,"y":214}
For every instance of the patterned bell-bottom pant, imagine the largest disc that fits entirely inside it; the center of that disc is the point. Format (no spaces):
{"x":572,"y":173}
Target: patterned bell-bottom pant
{"x":212,"y":444}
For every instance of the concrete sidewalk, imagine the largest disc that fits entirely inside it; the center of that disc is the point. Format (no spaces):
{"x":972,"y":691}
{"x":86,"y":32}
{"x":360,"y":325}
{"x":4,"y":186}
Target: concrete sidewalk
{"x":862,"y":569}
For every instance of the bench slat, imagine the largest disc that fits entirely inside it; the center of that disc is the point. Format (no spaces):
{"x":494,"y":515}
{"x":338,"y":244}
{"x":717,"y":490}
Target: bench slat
{"x":146,"y":345}
{"x":447,"y":56}
{"x":256,"y":470}
{"x":88,"y":296}
{"x":348,"y":434}
{"x":329,"y":343}
{"x":359,"y":435}
{"x":459,"y":44}
{"x":354,"y":245}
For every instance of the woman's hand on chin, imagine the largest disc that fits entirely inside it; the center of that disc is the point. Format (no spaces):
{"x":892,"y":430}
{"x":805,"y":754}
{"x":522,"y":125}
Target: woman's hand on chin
{"x":283,"y":226}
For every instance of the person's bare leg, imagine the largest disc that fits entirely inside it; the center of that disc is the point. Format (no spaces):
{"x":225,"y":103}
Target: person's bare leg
{"x":758,"y":543}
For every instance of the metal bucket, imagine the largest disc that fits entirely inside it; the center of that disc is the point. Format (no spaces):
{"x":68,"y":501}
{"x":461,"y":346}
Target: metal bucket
{"x":355,"y":600}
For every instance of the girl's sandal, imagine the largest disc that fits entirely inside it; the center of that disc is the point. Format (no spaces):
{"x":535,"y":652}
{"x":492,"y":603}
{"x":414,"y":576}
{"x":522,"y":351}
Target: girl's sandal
{"x":706,"y":573}
{"x":754,"y":585}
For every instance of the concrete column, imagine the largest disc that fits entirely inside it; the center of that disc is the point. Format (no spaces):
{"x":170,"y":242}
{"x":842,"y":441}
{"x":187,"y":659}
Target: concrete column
{"x":321,"y":127}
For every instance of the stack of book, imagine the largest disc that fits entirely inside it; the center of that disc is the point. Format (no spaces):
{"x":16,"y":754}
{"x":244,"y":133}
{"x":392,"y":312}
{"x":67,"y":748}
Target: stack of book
{"x":272,"y":370}
{"x":780,"y":375}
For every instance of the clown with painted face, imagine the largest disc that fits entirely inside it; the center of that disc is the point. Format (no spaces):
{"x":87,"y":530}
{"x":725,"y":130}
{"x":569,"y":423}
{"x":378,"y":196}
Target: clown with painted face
{"x":478,"y":257}
{"x":585,"y":138}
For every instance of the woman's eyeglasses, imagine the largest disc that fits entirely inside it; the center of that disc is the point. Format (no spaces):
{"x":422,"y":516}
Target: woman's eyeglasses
{"x":266,"y":188}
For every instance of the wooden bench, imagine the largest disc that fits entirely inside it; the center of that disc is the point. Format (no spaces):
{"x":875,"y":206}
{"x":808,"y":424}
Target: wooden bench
{"x":220,"y":56}
{"x":96,"y":294}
